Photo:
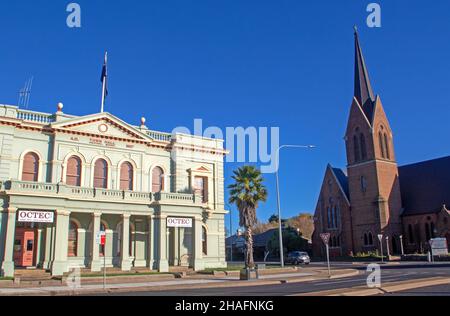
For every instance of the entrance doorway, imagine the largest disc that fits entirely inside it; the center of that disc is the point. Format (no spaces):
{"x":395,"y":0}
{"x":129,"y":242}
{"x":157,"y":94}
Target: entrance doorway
{"x":180,"y":247}
{"x":24,"y":247}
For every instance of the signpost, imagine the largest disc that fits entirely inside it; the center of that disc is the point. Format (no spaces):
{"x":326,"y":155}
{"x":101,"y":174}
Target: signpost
{"x":101,"y":240}
{"x":380,"y":237}
{"x":438,"y":247}
{"x":326,"y":240}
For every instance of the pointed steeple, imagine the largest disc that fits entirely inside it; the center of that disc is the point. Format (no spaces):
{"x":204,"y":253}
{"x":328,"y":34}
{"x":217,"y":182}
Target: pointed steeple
{"x":363,"y":88}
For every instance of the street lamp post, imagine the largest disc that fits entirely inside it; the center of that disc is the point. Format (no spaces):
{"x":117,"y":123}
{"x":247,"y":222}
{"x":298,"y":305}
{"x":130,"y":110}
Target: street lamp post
{"x":280,"y":227}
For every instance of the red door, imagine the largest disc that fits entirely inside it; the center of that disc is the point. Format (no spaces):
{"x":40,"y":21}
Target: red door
{"x":24,"y":245}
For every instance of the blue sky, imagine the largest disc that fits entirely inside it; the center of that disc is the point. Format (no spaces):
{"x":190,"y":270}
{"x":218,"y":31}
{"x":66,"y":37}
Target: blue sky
{"x":285,"y":63}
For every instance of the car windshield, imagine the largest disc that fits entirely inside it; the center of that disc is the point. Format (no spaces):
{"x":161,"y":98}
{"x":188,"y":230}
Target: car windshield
{"x":298,"y":253}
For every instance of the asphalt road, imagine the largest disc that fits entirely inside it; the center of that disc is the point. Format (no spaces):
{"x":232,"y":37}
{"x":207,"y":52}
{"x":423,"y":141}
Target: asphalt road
{"x":392,"y":273}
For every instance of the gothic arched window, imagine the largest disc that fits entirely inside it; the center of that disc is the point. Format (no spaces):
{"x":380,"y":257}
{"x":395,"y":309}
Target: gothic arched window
{"x":356,"y":150}
{"x":362,"y":140}
{"x":386,"y":145}
{"x":381,"y":141}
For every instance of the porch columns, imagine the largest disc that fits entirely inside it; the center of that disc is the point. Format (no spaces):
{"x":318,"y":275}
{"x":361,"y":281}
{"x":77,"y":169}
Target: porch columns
{"x":96,"y":265}
{"x":150,"y":240}
{"x":59,"y":265}
{"x":125,"y":247}
{"x":49,"y":241}
{"x":8,"y":260}
{"x":199,"y":265}
{"x":161,"y":234}
{"x":39,"y":247}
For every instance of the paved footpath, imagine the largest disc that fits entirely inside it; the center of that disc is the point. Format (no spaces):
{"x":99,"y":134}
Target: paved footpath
{"x":178,"y":283}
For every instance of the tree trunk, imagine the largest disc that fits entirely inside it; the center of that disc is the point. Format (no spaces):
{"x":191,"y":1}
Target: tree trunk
{"x":249,"y":262}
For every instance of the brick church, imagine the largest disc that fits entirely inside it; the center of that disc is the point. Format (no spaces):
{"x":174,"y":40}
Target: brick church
{"x":409,"y":205}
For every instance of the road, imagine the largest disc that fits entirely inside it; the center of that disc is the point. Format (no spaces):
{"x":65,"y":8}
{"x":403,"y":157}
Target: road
{"x":389,"y":274}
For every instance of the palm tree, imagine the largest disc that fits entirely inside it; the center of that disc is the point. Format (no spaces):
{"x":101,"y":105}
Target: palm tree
{"x":247,"y":191}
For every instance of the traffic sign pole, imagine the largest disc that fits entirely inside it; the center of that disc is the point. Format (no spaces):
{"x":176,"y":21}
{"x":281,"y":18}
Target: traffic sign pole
{"x":328,"y":260}
{"x":326,"y":241}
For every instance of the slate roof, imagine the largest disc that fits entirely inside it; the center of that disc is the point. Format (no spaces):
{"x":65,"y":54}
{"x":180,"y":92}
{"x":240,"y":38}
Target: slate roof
{"x":343,"y":180}
{"x":425,"y":186}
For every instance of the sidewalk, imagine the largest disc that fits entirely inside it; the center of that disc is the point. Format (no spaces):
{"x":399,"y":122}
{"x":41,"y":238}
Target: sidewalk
{"x":196,"y":281}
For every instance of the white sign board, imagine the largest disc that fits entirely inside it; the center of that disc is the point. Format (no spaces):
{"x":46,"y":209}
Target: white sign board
{"x":36,"y":217}
{"x":439,"y":246}
{"x":179,"y":222}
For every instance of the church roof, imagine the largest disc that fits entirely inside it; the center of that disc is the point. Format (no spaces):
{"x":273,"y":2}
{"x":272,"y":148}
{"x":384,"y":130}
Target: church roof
{"x":425,"y":186}
{"x":363,"y":88}
{"x":343,"y":180}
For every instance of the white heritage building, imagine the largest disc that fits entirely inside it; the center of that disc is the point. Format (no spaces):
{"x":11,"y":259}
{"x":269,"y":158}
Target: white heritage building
{"x":158,"y":197}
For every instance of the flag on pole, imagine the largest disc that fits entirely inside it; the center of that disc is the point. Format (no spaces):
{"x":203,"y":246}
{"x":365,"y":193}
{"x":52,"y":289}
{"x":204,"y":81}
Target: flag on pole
{"x":104,"y":81}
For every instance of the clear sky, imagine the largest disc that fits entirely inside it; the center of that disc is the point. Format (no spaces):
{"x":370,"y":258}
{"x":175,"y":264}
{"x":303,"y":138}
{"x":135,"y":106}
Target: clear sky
{"x":285,"y":63}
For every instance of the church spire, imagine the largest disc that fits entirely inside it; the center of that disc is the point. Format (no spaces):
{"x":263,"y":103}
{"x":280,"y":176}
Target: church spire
{"x":363,"y":88}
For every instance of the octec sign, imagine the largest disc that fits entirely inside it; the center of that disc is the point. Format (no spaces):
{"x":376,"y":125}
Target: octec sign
{"x":36,"y":217}
{"x":179,"y":222}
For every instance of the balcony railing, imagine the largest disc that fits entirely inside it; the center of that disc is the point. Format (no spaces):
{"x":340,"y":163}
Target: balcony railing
{"x":38,"y":117}
{"x":159,"y":136}
{"x":50,"y":189}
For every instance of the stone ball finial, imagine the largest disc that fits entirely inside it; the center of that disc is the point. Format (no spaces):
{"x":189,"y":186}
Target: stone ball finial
{"x":60,"y":107}
{"x":143,"y":121}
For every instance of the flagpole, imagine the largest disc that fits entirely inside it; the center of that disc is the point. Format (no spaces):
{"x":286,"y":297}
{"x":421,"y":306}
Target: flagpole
{"x":104,"y":84}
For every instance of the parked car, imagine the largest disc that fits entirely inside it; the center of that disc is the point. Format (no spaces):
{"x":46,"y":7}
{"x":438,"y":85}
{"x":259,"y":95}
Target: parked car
{"x":298,"y":257}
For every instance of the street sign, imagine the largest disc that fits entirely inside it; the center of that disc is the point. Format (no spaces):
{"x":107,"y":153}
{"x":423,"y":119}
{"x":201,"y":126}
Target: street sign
{"x":439,"y":246}
{"x":100,"y":238}
{"x":380,"y":237}
{"x":325,"y":238}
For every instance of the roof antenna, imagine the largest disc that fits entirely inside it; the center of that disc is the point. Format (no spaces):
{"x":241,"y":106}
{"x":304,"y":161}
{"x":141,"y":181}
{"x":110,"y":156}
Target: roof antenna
{"x":25,"y":93}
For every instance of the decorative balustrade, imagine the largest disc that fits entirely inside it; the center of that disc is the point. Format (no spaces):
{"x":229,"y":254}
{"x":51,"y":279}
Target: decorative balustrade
{"x":48,"y":189}
{"x":159,"y":136}
{"x":38,"y":117}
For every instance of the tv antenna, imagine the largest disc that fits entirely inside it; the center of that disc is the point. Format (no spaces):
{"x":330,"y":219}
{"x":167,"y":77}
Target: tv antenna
{"x":24,"y":93}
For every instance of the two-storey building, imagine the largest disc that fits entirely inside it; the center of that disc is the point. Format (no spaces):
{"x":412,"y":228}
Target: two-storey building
{"x":67,"y":180}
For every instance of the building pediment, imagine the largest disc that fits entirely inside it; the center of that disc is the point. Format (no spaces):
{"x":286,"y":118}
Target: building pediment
{"x":101,"y":125}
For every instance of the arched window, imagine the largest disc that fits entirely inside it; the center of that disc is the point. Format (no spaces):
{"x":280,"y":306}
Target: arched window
{"x":356,"y":150}
{"x":101,"y":174}
{"x":427,"y":231}
{"x":119,"y":240}
{"x":30,"y":168}
{"x":73,"y":239}
{"x":363,"y":184}
{"x":157,"y":180}
{"x":381,"y":141}
{"x":126,"y":177}
{"x":411,"y":234}
{"x":366,"y":239}
{"x":204,"y":241}
{"x":74,"y":171}
{"x":433,"y":229}
{"x":370,"y":239}
{"x":329,"y":217}
{"x":362,"y":140}
{"x":386,"y":145}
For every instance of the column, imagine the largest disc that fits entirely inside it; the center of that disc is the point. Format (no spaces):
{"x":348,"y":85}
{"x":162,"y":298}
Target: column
{"x":48,"y":254}
{"x":96,"y":264}
{"x":199,"y":265}
{"x":8,"y":261}
{"x":60,"y":264}
{"x":162,"y":263}
{"x":150,"y":240}
{"x":39,"y":244}
{"x":125,"y":247}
